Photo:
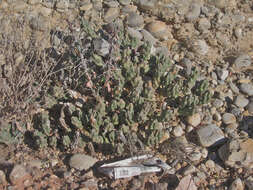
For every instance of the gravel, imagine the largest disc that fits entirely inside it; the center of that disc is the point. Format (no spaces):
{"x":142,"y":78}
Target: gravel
{"x":208,"y":29}
{"x":234,"y":152}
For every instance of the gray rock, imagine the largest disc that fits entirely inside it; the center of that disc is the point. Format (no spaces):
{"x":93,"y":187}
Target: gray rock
{"x":210,"y":135}
{"x":210,"y":164}
{"x":189,"y":169}
{"x":124,"y":2}
{"x":33,"y":2}
{"x":62,"y":4}
{"x":238,"y":33}
{"x":86,"y":7}
{"x":234,"y":88}
{"x":134,"y":33}
{"x":111,"y":14}
{"x":148,"y":37}
{"x":187,"y":63}
{"x":242,"y":61}
{"x":147,"y":5}
{"x":159,"y":30}
{"x":250,"y":107}
{"x":111,"y":3}
{"x":48,"y":3}
{"x":82,"y":161}
{"x":101,"y":46}
{"x":222,"y":74}
{"x":241,"y":101}
{"x":195,"y":156}
{"x":228,"y":118}
{"x":209,"y":10}
{"x":217,"y":103}
{"x":217,"y":116}
{"x":231,"y":128}
{"x":200,"y":47}
{"x":39,"y":23}
{"x":249,"y":182}
{"x":178,"y":131}
{"x":126,"y":10}
{"x":194,"y":12}
{"x":135,"y":20}
{"x":204,"y":24}
{"x":247,"y":88}
{"x":237,"y":184}
{"x":97,"y":5}
{"x":194,"y":119}
{"x":219,"y":3}
{"x":238,"y":18}
{"x":237,"y":153}
{"x":2,"y":177}
{"x":35,"y":163}
{"x":19,"y":172}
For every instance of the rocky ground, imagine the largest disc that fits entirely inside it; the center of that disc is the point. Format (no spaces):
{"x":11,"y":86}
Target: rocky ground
{"x":214,"y":36}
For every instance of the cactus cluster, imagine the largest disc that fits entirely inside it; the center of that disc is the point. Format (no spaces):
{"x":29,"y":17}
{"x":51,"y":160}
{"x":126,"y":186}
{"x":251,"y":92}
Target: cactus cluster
{"x":137,"y":93}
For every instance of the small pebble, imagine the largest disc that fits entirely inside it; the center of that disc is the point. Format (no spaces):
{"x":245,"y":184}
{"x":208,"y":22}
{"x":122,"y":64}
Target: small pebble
{"x":238,"y":33}
{"x":228,"y":118}
{"x":194,"y":12}
{"x":242,"y":61}
{"x":124,"y":2}
{"x":231,"y":128}
{"x":200,"y":47}
{"x":204,"y":153}
{"x":250,"y":107}
{"x":249,"y":182}
{"x":101,"y":46}
{"x":189,"y":170}
{"x":147,"y":5}
{"x":237,"y":184}
{"x":234,"y":88}
{"x":217,"y":103}
{"x":204,"y":24}
{"x":241,"y":101}
{"x":178,"y":131}
{"x":111,"y":14}
{"x":35,"y":163}
{"x":210,"y":164}
{"x":135,"y":20}
{"x":111,"y":3}
{"x":195,"y":156}
{"x":82,"y":161}
{"x":159,"y":30}
{"x":148,"y":37}
{"x":2,"y":177}
{"x":209,"y":135}
{"x":17,"y":173}
{"x":194,"y":119}
{"x":247,"y":88}
{"x":222,"y":74}
{"x":134,"y":33}
{"x":217,"y":116}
